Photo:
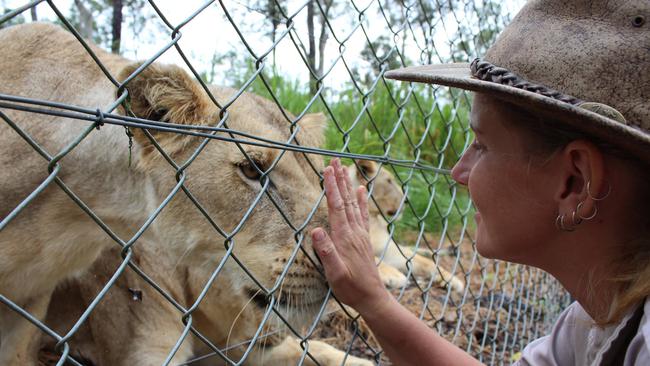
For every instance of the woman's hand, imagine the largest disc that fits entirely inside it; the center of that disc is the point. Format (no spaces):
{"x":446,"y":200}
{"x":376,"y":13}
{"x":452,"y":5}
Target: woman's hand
{"x":350,"y":268}
{"x":346,"y":254}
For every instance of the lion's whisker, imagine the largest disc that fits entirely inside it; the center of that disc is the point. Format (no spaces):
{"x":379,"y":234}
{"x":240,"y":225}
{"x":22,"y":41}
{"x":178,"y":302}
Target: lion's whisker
{"x":232,"y":326}
{"x":181,"y":257}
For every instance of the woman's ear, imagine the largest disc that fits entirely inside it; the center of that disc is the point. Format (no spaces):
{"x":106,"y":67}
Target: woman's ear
{"x":163,"y":93}
{"x":582,"y":178}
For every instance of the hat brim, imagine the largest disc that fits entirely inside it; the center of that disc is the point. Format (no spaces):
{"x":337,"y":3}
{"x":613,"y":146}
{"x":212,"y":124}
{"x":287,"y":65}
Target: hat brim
{"x":458,"y":75}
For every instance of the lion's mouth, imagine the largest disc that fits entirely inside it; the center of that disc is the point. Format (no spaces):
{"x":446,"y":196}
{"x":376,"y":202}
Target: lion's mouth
{"x":286,"y":300}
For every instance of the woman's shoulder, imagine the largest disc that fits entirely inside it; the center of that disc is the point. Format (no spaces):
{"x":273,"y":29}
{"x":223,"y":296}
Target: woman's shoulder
{"x":558,"y":347}
{"x":576,"y":340}
{"x":638,"y":351}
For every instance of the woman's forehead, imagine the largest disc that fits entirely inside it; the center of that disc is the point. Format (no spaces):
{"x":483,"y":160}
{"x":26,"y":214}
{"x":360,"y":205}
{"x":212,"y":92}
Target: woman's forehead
{"x":484,"y":111}
{"x":498,"y":122}
{"x":489,"y":113}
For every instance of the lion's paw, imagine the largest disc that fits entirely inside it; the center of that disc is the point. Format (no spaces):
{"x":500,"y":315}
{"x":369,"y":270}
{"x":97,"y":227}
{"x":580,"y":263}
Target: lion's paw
{"x":455,"y":283}
{"x":391,"y":276}
{"x":356,"y":361}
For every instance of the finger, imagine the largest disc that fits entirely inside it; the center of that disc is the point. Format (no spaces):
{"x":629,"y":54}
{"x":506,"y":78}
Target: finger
{"x":335,"y":205}
{"x":328,"y":255}
{"x":353,"y":195}
{"x":345,"y":193}
{"x":362,"y":198}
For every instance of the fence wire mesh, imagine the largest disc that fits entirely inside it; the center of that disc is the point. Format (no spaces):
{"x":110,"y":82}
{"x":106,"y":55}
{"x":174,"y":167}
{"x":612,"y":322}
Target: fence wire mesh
{"x":178,"y":236}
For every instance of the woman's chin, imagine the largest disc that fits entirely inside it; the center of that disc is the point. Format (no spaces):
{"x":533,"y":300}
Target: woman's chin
{"x":485,"y":247}
{"x":484,"y":252}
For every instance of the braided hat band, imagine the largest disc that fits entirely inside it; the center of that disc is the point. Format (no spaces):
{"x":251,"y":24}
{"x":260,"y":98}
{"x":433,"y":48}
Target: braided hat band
{"x":486,"y":71}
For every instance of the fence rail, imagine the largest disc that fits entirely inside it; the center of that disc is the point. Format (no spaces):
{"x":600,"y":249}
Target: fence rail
{"x":397,"y":137}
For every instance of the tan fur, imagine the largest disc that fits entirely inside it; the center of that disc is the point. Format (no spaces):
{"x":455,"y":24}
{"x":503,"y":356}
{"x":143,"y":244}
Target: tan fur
{"x":52,"y":240}
{"x":142,"y":330}
{"x":393,"y":258}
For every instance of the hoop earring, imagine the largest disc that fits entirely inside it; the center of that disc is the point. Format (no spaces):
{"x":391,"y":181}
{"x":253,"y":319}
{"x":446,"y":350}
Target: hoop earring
{"x":576,"y":213}
{"x":559,"y":223}
{"x":609,"y":190}
{"x":588,"y":217}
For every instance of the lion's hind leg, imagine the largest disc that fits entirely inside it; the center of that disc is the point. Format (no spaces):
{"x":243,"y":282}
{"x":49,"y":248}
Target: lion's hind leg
{"x":420,"y":266}
{"x":426,"y":267}
{"x":391,"y":276}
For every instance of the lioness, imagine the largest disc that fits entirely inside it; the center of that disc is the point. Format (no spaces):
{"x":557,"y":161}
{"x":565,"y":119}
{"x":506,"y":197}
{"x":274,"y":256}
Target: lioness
{"x":53,"y":239}
{"x":388,"y":196}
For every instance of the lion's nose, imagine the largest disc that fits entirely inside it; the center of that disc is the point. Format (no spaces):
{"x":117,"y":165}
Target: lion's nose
{"x":391,"y":212}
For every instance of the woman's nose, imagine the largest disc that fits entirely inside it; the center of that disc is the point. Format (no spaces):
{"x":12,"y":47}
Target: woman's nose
{"x":460,"y":171}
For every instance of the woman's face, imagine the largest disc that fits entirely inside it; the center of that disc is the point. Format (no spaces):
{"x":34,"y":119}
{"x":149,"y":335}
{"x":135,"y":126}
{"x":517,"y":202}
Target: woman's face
{"x":512,"y":193}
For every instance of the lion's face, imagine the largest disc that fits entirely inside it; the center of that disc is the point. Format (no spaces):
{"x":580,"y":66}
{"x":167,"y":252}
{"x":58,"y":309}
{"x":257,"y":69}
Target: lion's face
{"x":386,"y":191}
{"x":261,"y":205}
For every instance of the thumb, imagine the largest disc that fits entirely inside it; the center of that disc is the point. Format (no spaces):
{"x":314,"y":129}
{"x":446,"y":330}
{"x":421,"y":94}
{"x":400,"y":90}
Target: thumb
{"x":329,"y":256}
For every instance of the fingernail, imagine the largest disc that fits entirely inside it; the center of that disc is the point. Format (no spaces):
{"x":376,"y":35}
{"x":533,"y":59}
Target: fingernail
{"x":318,"y":234}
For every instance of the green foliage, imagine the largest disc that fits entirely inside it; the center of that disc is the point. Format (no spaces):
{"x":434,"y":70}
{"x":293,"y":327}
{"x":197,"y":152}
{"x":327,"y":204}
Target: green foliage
{"x":430,"y":127}
{"x":475,"y":38}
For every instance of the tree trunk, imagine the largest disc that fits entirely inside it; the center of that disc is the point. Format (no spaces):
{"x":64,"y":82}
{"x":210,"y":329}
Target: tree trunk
{"x":322,"y":39}
{"x":117,"y":26}
{"x":85,"y":20}
{"x":274,"y":14}
{"x":311,"y":56}
{"x":32,"y":11}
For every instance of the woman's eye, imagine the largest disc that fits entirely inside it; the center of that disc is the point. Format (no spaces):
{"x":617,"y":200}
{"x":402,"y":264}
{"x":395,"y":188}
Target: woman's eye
{"x":477,"y":145}
{"x":249,"y":171}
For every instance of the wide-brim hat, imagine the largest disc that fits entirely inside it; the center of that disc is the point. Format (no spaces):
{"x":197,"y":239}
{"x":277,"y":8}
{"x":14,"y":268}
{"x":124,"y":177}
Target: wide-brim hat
{"x":583,"y":63}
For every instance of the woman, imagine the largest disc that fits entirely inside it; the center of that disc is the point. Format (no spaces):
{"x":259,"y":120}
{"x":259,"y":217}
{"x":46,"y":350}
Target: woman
{"x":559,"y":176}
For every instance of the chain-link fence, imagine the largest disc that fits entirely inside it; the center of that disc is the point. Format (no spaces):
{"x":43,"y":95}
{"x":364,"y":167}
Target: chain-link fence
{"x":172,"y":216}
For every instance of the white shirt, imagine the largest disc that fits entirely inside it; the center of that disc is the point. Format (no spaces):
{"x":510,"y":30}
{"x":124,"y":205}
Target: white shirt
{"x":576,"y":340}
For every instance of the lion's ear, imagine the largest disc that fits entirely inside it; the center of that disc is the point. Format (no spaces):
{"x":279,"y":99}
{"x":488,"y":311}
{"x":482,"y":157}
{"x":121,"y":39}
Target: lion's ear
{"x":163,"y":93}
{"x":313,"y":124}
{"x":367,"y":168}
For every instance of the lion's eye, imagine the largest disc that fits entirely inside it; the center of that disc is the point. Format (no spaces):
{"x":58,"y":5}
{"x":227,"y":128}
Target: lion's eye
{"x":364,"y":170}
{"x":158,"y":114}
{"x":249,"y":171}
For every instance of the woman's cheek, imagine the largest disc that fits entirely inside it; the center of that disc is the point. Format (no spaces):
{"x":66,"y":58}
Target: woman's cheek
{"x":474,"y":183}
{"x":480,"y":186}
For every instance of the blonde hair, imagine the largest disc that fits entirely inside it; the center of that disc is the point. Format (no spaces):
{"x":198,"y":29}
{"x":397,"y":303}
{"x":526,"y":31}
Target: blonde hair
{"x":634,"y":278}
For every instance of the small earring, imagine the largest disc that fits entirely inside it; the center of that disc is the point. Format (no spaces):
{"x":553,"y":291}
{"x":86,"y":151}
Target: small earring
{"x":574,"y":214}
{"x":559,"y":223}
{"x":609,"y":190}
{"x":579,"y":206}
